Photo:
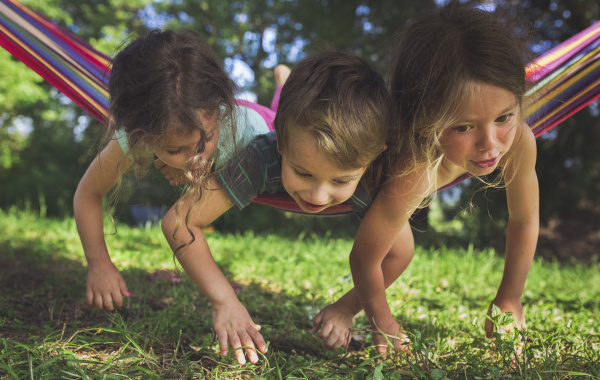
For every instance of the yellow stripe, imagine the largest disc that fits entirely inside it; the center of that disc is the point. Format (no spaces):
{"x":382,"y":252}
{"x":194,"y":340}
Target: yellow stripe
{"x":58,"y":74}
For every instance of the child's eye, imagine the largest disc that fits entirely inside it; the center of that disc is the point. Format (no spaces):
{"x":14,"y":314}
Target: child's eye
{"x":462,"y":128}
{"x":504,"y":118}
{"x":301,"y":175}
{"x":174,"y":152}
{"x":340,"y":182}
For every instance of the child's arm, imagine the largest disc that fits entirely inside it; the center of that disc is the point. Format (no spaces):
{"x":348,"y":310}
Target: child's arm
{"x":335,"y":320}
{"x":379,"y":231}
{"x":175,"y":176}
{"x":522,"y":193}
{"x":105,"y":285}
{"x":231,"y":320}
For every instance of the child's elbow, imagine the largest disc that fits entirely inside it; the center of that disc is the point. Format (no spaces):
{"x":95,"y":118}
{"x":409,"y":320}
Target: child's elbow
{"x":167,"y":224}
{"x":356,"y":261}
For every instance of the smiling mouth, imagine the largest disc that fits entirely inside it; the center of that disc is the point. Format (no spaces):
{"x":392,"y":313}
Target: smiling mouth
{"x":310,"y":207}
{"x":487,"y":163}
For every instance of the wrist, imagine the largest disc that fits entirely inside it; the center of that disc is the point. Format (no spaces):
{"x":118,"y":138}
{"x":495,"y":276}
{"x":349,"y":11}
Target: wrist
{"x":350,"y":303}
{"x":508,"y":295}
{"x":223,"y":299}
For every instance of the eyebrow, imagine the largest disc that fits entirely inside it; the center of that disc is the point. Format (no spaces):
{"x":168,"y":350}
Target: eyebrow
{"x":344,"y":177}
{"x":467,"y":120}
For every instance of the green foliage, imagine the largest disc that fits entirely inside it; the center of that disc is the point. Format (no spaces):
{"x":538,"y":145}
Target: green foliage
{"x":33,"y":174}
{"x":164,"y":330}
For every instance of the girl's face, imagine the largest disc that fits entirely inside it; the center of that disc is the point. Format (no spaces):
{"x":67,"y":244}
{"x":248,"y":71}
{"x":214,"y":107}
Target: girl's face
{"x":177,"y":149}
{"x":484,"y":131}
{"x":311,"y":178}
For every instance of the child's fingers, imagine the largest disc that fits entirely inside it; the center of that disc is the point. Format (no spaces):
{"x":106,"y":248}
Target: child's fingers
{"x":236,"y":344}
{"x":381,"y":350}
{"x":89,"y":297}
{"x":317,"y":322}
{"x":258,"y":339}
{"x":248,"y":344}
{"x":124,"y":290}
{"x":335,"y":340}
{"x":107,"y":302}
{"x":117,"y":299}
{"x":222,"y":339}
{"x":326,"y":329}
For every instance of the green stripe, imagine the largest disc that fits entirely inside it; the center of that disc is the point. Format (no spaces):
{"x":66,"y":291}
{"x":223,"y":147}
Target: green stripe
{"x":224,"y":183}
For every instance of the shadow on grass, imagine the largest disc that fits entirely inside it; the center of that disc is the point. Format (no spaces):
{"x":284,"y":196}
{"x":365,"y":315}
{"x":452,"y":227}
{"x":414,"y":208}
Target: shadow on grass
{"x":43,"y":300}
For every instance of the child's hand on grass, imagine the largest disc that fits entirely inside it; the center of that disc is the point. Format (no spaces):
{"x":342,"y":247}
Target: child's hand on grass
{"x":233,"y":324}
{"x":393,"y":336}
{"x":175,"y":176}
{"x":105,"y":286}
{"x":335,"y":322}
{"x":506,"y":305}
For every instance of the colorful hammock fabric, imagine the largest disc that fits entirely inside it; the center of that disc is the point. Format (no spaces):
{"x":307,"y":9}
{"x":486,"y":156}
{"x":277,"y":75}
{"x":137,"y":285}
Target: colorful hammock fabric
{"x":566,"y":78}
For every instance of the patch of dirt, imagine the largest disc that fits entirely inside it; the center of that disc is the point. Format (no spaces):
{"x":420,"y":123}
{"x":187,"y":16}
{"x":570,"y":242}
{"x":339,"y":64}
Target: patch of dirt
{"x":570,"y":240}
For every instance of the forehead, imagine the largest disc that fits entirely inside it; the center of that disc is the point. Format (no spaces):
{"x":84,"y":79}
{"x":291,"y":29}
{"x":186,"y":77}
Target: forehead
{"x":302,"y":151}
{"x":482,"y":98}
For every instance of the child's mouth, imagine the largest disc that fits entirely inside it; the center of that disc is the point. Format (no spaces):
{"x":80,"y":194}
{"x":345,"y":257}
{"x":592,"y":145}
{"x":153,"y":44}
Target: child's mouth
{"x":310,"y":207}
{"x":487,"y":163}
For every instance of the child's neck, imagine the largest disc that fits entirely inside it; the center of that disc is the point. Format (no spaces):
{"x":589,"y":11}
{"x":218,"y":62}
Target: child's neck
{"x":447,"y":172}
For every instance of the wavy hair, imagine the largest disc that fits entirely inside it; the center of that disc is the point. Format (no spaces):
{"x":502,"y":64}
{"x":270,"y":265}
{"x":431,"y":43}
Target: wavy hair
{"x":437,"y":61}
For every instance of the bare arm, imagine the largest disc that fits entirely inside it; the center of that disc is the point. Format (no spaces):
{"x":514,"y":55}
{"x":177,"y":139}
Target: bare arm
{"x":522,"y":193}
{"x":105,"y":285}
{"x":335,"y":320}
{"x":384,"y":226}
{"x":231,"y":320}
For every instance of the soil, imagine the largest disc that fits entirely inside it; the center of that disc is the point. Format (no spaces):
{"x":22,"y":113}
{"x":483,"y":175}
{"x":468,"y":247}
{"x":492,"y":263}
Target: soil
{"x":572,"y":240}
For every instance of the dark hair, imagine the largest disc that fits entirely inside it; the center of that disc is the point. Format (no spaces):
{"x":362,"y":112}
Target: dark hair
{"x":342,"y":102}
{"x":438,"y":58}
{"x":159,"y":81}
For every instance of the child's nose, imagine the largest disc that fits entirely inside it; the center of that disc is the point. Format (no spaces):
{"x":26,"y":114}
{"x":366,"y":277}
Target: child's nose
{"x":317,"y":195}
{"x":488,"y":139}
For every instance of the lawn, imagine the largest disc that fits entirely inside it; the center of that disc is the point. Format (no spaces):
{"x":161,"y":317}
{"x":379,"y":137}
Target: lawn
{"x":164,"y":330}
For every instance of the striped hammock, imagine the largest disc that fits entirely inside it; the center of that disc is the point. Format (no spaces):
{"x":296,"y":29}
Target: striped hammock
{"x":565,"y":79}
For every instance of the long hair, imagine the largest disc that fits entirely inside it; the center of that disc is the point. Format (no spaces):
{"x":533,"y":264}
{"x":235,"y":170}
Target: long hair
{"x":158,"y":84}
{"x":438,"y":58}
{"x":160,"y":81}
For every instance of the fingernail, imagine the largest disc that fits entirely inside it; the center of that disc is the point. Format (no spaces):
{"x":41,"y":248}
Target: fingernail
{"x":253,"y":358}
{"x":243,"y":361}
{"x":128,"y":294}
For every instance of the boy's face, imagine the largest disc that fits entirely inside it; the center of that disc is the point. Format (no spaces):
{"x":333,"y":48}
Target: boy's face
{"x":311,"y":178}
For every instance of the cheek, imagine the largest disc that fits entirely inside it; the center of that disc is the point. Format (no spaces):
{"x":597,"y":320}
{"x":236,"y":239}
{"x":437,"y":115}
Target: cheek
{"x":287,"y":179}
{"x":344,"y":193}
{"x":210,"y":148}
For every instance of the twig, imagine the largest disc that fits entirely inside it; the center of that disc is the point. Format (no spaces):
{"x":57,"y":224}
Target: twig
{"x":382,"y":333}
{"x":434,"y":363}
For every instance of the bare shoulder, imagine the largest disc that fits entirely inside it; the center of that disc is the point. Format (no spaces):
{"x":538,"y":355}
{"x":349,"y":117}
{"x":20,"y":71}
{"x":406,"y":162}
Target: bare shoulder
{"x":403,"y":192}
{"x":524,"y":154}
{"x":524,"y":142}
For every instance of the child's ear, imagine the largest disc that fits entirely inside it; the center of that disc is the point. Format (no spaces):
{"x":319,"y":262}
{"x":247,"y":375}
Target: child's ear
{"x":384,"y":148}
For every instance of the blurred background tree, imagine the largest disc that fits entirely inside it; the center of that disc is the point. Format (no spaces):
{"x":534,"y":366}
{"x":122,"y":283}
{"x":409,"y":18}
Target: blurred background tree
{"x":46,"y":141}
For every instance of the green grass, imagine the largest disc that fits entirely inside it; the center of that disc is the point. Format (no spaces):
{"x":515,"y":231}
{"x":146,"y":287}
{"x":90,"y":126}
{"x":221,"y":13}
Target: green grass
{"x":164,"y":331}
